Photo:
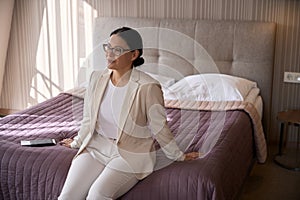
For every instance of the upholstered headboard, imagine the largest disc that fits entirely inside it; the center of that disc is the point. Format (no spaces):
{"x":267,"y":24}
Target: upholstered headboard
{"x":179,"y":48}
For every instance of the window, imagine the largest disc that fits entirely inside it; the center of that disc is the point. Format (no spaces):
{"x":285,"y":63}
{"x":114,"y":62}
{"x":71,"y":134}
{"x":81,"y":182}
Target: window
{"x":64,"y":43}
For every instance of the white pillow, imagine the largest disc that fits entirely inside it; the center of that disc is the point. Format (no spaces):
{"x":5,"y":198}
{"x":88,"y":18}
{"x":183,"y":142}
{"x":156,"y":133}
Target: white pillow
{"x":163,"y":80}
{"x":210,"y":87}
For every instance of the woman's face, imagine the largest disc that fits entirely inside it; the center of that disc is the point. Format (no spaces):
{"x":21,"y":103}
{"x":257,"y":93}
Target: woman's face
{"x":121,"y":62}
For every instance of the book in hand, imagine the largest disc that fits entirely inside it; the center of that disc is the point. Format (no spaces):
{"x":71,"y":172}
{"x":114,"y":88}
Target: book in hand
{"x":38,"y":142}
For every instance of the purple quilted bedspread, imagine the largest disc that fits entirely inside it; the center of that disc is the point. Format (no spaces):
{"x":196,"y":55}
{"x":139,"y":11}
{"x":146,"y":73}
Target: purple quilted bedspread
{"x":39,"y":172}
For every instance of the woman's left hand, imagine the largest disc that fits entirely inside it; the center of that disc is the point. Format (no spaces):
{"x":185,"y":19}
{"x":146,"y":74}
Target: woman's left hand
{"x":191,"y":156}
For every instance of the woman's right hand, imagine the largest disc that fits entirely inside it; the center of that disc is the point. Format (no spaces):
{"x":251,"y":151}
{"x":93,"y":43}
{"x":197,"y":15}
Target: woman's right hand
{"x":66,"y":142}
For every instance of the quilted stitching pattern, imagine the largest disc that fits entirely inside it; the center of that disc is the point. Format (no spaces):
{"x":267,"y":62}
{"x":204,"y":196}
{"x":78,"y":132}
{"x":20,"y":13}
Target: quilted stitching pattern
{"x":259,"y":137}
{"x":41,"y":168}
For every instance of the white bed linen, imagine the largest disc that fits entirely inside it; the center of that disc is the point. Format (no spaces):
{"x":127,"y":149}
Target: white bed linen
{"x":210,"y":87}
{"x":255,"y":98}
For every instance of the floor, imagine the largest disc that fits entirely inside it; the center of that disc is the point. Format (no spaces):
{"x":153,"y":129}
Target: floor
{"x":270,"y":181}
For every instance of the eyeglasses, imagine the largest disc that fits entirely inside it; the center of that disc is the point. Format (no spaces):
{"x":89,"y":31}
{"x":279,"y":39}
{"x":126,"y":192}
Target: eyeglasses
{"x":115,"y":50}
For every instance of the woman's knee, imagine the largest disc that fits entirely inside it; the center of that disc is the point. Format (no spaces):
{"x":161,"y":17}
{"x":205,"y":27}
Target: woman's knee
{"x":69,"y":196}
{"x":99,"y":193}
{"x":111,"y":184}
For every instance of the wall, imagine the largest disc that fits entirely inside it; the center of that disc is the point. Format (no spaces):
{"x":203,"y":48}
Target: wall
{"x":286,"y":13}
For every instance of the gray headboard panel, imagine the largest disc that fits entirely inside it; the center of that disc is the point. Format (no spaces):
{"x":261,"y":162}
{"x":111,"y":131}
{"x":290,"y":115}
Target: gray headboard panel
{"x":179,"y":48}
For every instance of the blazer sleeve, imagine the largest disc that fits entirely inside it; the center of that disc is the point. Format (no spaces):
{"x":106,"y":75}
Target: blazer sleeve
{"x":85,"y":123}
{"x":158,"y":123}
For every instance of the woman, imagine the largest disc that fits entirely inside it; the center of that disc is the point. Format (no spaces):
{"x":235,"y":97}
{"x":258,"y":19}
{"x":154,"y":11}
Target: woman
{"x":123,"y":113}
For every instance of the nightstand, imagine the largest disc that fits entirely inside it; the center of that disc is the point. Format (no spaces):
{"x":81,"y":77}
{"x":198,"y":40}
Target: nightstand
{"x":286,"y":118}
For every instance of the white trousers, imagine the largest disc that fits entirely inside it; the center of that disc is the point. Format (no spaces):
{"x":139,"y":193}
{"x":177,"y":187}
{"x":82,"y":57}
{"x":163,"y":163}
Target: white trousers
{"x":90,"y":179}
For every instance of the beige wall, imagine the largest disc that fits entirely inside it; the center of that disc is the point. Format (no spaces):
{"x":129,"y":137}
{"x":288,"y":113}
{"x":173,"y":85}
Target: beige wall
{"x":6,"y":10}
{"x":286,"y":13}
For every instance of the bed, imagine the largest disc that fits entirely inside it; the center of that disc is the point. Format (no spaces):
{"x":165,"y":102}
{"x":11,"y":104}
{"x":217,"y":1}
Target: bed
{"x":228,"y":127}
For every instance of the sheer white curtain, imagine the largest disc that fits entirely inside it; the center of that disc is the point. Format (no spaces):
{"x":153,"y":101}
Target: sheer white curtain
{"x":6,"y":12}
{"x":64,"y":43}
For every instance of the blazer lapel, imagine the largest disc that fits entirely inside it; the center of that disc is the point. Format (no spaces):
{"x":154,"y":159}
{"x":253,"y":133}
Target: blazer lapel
{"x":133,"y":86}
{"x":98,"y":95}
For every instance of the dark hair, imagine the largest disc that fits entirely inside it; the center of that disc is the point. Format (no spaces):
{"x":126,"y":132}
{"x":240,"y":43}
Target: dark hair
{"x":133,"y":40}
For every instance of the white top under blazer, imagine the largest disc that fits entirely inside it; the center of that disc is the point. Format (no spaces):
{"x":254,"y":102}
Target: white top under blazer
{"x":110,"y":110}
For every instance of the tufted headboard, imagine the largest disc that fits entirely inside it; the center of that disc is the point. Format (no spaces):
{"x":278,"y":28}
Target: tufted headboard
{"x":178,"y":48}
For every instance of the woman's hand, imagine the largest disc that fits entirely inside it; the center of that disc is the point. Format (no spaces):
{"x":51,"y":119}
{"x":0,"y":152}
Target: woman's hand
{"x":66,"y":142}
{"x":191,"y":156}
